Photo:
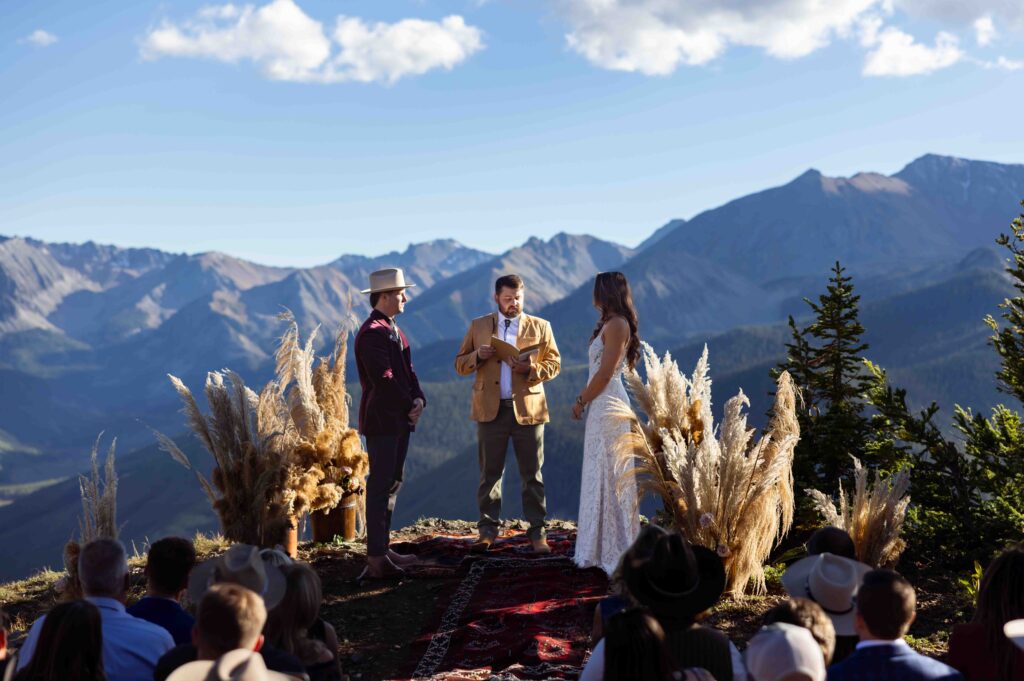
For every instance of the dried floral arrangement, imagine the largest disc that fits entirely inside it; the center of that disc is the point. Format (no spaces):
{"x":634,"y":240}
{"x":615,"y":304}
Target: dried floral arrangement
{"x":327,"y":458}
{"x":250,"y":454}
{"x":722,"y":489}
{"x":99,"y":514}
{"x":873,"y":516}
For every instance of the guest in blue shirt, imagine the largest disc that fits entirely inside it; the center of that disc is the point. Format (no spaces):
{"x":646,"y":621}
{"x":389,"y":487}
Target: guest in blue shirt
{"x":131,"y":646}
{"x":886,"y":606}
{"x":168,"y":567}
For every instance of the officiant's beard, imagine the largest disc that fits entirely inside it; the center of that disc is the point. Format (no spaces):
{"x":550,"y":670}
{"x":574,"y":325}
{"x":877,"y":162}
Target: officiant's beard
{"x":510,"y":312}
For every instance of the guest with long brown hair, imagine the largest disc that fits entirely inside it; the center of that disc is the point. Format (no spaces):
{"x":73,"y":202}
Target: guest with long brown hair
{"x":295,"y":627}
{"x":70,"y":646}
{"x":608,"y":518}
{"x":980,"y":649}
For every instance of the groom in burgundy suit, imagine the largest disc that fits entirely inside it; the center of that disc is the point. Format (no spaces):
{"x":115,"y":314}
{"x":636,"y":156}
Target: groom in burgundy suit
{"x":391,"y":405}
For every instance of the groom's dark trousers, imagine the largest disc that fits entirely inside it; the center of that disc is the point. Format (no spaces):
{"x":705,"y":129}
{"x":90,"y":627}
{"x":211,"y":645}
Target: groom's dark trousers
{"x":390,"y":386}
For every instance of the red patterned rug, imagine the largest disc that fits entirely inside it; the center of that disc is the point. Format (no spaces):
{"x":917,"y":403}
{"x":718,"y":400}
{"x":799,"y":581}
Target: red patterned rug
{"x":513,"y":616}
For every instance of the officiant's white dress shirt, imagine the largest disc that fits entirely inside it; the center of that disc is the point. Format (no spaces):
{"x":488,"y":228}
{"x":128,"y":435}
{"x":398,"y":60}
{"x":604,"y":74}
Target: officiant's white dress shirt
{"x":509,"y":336}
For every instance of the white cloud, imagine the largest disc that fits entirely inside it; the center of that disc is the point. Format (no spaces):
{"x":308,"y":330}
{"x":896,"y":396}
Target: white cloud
{"x":1002,"y":63}
{"x":39,"y":38}
{"x":655,"y":37}
{"x":984,"y":30}
{"x":896,"y":53}
{"x":289,"y":45}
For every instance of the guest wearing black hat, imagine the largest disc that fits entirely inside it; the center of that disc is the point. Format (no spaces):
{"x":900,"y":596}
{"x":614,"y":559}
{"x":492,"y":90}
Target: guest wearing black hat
{"x":676,"y":583}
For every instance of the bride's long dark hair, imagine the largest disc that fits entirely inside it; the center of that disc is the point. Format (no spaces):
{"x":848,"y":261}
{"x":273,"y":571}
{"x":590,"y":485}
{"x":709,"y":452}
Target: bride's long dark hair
{"x":612,"y":296}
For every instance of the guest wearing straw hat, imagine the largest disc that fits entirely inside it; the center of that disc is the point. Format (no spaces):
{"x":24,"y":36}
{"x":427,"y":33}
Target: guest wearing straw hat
{"x":831,"y":582}
{"x":391,"y":405}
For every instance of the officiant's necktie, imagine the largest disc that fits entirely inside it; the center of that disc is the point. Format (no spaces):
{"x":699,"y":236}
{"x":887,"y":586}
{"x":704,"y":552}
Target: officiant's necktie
{"x":508,"y":323}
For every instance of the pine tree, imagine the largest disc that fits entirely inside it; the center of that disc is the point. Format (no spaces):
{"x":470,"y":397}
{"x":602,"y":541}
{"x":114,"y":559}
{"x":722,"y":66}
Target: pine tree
{"x":825,"y":359}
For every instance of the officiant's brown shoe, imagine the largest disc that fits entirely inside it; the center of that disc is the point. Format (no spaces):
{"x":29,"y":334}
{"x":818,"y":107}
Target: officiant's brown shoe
{"x":540,"y":545}
{"x":481,"y":545}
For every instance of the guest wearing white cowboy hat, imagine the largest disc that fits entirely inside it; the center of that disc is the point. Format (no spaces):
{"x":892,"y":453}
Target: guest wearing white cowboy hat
{"x":244,"y":565}
{"x":831,"y":582}
{"x":784,"y":652}
{"x":1014,"y":630}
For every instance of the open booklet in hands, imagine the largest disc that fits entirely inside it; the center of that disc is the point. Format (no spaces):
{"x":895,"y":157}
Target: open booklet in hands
{"x":506,"y":351}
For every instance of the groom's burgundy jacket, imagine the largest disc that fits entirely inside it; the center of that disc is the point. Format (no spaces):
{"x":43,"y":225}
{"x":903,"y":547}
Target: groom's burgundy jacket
{"x":386,"y":375}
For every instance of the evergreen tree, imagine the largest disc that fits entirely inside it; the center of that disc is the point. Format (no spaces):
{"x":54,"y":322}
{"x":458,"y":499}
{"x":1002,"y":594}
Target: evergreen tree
{"x":825,"y":360}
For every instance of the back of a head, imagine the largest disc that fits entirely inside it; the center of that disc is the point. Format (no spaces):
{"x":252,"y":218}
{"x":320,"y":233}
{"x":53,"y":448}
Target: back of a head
{"x":169,"y":563}
{"x":1000,"y":600}
{"x":784,"y":652}
{"x":887,"y":603}
{"x":831,"y":540}
{"x":290,"y":619}
{"x":229,"y":617}
{"x":805,"y":613}
{"x":634,"y":648}
{"x":70,"y":645}
{"x":103,"y":568}
{"x":641,"y":548}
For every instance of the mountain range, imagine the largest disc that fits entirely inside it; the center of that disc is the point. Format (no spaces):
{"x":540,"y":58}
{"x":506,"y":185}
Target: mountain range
{"x":88,"y":332}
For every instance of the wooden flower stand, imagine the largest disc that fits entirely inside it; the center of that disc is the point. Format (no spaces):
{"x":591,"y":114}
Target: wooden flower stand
{"x":339,"y":521}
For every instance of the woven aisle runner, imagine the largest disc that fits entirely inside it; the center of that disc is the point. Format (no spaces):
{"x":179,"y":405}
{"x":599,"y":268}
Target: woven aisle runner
{"x":514,"y":616}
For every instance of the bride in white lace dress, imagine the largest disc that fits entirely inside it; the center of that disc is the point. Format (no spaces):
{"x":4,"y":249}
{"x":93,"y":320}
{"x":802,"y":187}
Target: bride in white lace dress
{"x":608,"y":521}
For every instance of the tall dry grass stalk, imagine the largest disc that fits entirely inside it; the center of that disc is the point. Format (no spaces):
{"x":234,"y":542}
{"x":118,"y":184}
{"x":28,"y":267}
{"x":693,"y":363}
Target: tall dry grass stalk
{"x":724,"y":490}
{"x":873,"y":516}
{"x":99,"y":513}
{"x":326,"y":457}
{"x":245,"y":434}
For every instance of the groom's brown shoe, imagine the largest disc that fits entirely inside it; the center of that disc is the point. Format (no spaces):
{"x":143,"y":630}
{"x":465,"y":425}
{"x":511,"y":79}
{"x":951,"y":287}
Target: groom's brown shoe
{"x":380,"y":568}
{"x":481,"y":545}
{"x":540,"y":545}
{"x":402,"y":559}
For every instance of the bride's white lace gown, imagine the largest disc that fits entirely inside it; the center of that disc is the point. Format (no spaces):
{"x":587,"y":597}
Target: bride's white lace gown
{"x":608,"y":521}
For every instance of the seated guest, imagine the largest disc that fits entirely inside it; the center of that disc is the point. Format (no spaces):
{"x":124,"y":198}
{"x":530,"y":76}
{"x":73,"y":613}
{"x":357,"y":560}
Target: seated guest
{"x":633,"y":648}
{"x":830,"y":581}
{"x":229,"y":622}
{"x":807,"y":614}
{"x":5,"y":658}
{"x":979,"y":649}
{"x":677,"y":583}
{"x":168,"y":566}
{"x":241,"y":564}
{"x":1014,"y":630}
{"x":831,"y":540}
{"x":69,"y":647}
{"x":619,"y":599}
{"x":886,"y":606}
{"x":295,"y":627}
{"x":131,"y":646}
{"x":784,"y":652}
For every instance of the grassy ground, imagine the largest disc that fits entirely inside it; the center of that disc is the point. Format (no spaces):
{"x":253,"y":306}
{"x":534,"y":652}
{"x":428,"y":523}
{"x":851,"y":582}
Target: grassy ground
{"x":376,"y":623}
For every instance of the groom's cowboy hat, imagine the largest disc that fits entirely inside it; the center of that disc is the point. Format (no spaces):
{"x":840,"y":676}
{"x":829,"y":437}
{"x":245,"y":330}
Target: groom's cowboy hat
{"x":831,"y":582}
{"x":678,"y":580}
{"x":244,"y":565}
{"x":390,"y":279}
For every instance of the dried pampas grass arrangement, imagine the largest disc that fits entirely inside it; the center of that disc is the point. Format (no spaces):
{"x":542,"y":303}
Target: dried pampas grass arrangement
{"x":873,"y":516}
{"x":326,"y":458}
{"x":99,"y":514}
{"x":245,"y":434}
{"x":724,"y":490}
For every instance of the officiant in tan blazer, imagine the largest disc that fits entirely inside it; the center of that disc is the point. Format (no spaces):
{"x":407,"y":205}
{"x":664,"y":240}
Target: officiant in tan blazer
{"x":509,"y":404}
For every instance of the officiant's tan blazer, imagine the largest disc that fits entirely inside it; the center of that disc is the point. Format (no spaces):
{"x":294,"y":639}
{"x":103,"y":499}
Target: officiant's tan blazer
{"x":531,"y":404}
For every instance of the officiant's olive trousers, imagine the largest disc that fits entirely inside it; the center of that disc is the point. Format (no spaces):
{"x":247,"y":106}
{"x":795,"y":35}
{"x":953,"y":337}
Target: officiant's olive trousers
{"x":528,"y":443}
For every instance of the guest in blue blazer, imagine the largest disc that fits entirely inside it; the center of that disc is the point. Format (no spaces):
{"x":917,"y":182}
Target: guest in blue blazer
{"x":886,"y":606}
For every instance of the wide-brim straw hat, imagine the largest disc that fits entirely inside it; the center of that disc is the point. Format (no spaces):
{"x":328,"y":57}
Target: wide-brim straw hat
{"x":235,"y":665}
{"x":1014,"y":630}
{"x":241,"y":564}
{"x":831,"y":582}
{"x":678,"y":580}
{"x":390,"y":279}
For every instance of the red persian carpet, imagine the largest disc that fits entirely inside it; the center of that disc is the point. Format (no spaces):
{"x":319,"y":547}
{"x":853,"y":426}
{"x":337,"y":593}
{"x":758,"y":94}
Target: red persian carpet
{"x":513,"y":616}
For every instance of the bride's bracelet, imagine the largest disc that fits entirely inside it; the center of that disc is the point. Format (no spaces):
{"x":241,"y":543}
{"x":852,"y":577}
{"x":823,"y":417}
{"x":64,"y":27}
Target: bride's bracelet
{"x":580,"y":402}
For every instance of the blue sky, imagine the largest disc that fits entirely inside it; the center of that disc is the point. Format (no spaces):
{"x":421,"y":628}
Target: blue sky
{"x":284,"y":134}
